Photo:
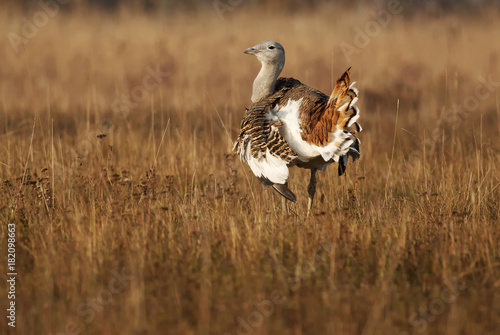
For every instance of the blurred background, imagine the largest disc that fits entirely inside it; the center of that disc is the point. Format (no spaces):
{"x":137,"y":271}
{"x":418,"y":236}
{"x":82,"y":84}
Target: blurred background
{"x":291,"y":5}
{"x":95,"y":58}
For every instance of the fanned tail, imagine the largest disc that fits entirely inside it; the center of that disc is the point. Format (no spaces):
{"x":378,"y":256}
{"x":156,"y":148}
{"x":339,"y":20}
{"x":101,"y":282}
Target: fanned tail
{"x":342,"y":101}
{"x":339,"y":91}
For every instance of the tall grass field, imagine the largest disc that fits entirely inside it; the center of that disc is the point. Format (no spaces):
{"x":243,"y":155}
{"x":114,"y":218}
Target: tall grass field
{"x":132,"y":215}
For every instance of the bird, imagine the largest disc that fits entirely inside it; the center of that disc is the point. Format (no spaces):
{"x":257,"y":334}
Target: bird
{"x":291,"y":124}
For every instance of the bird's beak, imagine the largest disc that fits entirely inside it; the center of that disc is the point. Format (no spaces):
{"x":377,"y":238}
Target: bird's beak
{"x":251,"y":51}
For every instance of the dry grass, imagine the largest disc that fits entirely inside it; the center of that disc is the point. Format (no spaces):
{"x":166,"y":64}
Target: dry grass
{"x":162,"y":197}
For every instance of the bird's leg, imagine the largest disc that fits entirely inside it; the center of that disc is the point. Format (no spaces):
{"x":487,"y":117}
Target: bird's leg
{"x":311,"y":189}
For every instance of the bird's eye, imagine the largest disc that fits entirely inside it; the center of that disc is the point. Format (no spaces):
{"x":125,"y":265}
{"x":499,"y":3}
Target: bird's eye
{"x":271,"y":47}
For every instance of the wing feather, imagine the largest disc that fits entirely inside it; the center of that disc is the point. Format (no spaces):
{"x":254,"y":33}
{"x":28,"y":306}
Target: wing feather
{"x":261,"y":145}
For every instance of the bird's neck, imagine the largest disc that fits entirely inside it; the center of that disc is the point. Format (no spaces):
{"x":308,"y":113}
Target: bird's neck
{"x":265,"y":82}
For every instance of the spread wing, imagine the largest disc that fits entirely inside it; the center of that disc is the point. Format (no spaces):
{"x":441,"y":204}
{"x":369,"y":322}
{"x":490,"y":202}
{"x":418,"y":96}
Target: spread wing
{"x":336,"y":113}
{"x":261,"y":146}
{"x":322,"y":125}
{"x":260,"y":135}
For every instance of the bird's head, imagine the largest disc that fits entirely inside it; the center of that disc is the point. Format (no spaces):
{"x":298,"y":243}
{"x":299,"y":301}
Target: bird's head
{"x":268,"y":52}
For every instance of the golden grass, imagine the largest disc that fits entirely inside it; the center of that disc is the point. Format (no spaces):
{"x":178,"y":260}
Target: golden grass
{"x":162,"y":197}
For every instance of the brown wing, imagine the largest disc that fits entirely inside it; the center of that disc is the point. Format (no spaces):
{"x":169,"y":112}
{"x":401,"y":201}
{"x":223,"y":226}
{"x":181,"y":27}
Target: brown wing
{"x":261,"y":146}
{"x":342,"y":101}
{"x":312,"y":106}
{"x":324,"y":119}
{"x":263,"y":135}
{"x":322,"y":115}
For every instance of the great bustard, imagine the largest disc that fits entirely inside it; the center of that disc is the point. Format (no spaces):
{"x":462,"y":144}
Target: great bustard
{"x":291,"y":124}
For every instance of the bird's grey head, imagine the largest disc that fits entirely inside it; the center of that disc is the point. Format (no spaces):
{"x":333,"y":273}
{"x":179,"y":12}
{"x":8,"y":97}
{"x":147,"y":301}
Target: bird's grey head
{"x":272,"y":57}
{"x":269,"y":52}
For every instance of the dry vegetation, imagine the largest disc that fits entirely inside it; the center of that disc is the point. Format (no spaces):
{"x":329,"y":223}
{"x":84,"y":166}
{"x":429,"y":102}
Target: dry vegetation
{"x":156,"y":191}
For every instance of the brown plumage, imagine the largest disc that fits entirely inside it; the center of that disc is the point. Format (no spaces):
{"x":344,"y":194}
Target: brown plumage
{"x":296,"y":125}
{"x":320,"y":122}
{"x":262,"y":133}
